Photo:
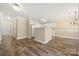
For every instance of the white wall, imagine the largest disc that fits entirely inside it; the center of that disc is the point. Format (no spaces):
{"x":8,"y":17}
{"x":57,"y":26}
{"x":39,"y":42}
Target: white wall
{"x":6,"y":27}
{"x":0,"y":29}
{"x":67,"y":30}
{"x":19,"y":27}
{"x":22,"y":28}
{"x":64,"y":28}
{"x":0,"y":38}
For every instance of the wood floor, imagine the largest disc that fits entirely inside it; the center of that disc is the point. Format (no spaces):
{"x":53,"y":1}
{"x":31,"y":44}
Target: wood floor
{"x":28,"y":47}
{"x":67,"y":46}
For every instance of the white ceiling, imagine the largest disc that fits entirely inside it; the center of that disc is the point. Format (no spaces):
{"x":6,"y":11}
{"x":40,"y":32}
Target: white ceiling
{"x":54,"y":11}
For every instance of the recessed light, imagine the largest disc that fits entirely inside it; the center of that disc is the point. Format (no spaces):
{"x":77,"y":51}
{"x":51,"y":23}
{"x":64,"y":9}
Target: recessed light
{"x":16,"y":7}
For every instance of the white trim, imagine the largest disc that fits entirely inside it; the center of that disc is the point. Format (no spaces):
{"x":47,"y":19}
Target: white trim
{"x":48,"y":40}
{"x":41,"y":41}
{"x":69,"y":37}
{"x":21,"y":37}
{"x":74,"y":30}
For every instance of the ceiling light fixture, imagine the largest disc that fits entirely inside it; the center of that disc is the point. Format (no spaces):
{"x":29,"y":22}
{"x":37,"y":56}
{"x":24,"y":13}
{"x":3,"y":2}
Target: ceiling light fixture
{"x":17,"y":7}
{"x":75,"y":21}
{"x":43,"y":20}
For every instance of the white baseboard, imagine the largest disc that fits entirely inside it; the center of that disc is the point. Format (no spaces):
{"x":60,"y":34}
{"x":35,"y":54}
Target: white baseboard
{"x":69,"y":37}
{"x":40,"y":41}
{"x":43,"y":41}
{"x":21,"y":37}
{"x":48,"y":40}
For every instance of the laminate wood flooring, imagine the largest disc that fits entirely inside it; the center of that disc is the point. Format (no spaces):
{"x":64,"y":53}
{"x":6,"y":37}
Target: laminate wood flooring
{"x":26,"y":47}
{"x":58,"y":46}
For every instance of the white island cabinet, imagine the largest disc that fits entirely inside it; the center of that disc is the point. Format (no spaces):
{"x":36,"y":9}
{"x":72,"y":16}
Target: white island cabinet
{"x":43,"y":34}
